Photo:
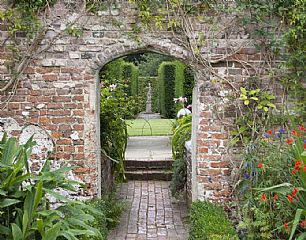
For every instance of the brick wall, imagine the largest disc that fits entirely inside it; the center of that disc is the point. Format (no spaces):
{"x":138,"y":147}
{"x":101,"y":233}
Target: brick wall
{"x":59,"y":93}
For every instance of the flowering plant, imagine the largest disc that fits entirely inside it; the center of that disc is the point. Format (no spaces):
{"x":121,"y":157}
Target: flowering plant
{"x":294,"y":192}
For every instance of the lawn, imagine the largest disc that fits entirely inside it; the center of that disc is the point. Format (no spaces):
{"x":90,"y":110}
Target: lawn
{"x":153,"y":127}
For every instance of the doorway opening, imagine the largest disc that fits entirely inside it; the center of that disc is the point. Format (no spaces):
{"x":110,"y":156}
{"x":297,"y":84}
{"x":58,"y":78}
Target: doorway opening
{"x":145,"y":121}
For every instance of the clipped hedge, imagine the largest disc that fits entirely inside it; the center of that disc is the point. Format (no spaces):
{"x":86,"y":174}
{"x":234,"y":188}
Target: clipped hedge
{"x":208,"y":221}
{"x":175,"y":80}
{"x":166,"y":76}
{"x":179,"y":79}
{"x":130,"y":77}
{"x":188,"y":83}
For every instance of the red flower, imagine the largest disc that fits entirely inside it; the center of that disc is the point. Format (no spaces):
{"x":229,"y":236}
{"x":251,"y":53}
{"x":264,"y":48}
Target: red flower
{"x":294,"y":133}
{"x":304,"y":168}
{"x":303,"y":224}
{"x":270,"y":132}
{"x":297,"y":165}
{"x":275,"y":198}
{"x":263,"y":197}
{"x":302,"y":128}
{"x":286,"y":225}
{"x":260,"y":165}
{"x":289,"y":141}
{"x":305,"y":146}
{"x":290,"y":198}
{"x":293,"y":171}
{"x":295,"y":191}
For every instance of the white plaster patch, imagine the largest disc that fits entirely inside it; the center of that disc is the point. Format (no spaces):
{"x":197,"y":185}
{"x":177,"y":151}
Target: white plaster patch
{"x":8,"y":125}
{"x":44,"y":143}
{"x":64,"y":84}
{"x":75,"y":135}
{"x":25,"y":113}
{"x":40,"y":106}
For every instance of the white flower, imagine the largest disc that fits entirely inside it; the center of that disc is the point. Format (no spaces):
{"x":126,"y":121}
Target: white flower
{"x":175,"y":100}
{"x":112,"y":87}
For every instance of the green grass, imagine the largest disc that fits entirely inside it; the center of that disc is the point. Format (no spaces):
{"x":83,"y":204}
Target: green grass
{"x":153,"y":127}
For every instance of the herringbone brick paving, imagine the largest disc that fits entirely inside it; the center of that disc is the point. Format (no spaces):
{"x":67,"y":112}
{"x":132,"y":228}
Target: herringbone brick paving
{"x":151,"y":213}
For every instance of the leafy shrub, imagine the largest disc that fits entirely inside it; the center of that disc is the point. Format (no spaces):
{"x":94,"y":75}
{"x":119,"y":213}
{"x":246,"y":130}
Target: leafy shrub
{"x":109,"y":210}
{"x":209,"y":221}
{"x":181,"y":134}
{"x":292,"y":191}
{"x":267,"y":162}
{"x":25,"y":211}
{"x":179,"y":176}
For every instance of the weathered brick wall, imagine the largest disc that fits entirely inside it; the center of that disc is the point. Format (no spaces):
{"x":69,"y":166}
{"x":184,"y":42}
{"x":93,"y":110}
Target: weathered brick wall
{"x":59,"y":93}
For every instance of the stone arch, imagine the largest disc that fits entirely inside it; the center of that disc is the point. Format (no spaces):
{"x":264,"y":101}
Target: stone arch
{"x":161,"y":47}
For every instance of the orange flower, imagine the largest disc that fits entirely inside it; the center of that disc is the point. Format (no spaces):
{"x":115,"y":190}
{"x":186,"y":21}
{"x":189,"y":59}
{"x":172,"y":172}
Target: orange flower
{"x":264,"y":197}
{"x":290,"y":198}
{"x":293,"y":171}
{"x":294,"y":133}
{"x":260,"y":165}
{"x":289,"y":141}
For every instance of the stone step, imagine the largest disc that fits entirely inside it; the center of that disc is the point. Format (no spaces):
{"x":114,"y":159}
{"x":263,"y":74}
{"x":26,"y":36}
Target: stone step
{"x":149,"y":175}
{"x":148,"y":164}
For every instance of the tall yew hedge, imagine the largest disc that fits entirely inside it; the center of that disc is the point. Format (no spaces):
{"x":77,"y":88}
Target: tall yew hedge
{"x":130,"y":75}
{"x":175,"y":79}
{"x":166,"y":75}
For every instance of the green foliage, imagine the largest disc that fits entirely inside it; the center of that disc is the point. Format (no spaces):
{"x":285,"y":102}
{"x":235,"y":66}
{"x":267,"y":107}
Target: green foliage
{"x":130,"y":76}
{"x":209,"y":221}
{"x":107,"y":216}
{"x":116,"y":104}
{"x":150,"y":64}
{"x":179,"y":80}
{"x":25,"y":211}
{"x":181,"y":134}
{"x":166,"y":75}
{"x":173,"y":84}
{"x":74,"y":31}
{"x":31,"y":6}
{"x":179,"y":176}
{"x":188,"y":83}
{"x":267,"y":162}
{"x":251,"y":124}
{"x":96,"y":5}
{"x":295,"y":190}
{"x":279,"y":26}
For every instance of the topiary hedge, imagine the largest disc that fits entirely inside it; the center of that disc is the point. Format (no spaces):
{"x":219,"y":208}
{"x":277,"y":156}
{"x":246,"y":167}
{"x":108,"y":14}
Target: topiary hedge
{"x":175,"y":80}
{"x":130,"y":77}
{"x":208,"y":221}
{"x":166,"y":76}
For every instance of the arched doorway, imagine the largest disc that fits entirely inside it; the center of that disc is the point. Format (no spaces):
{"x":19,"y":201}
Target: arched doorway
{"x":152,"y":210}
{"x":170,"y":50}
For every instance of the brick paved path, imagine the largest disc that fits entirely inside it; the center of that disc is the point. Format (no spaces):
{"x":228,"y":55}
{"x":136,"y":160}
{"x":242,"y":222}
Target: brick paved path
{"x":151,"y":213}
